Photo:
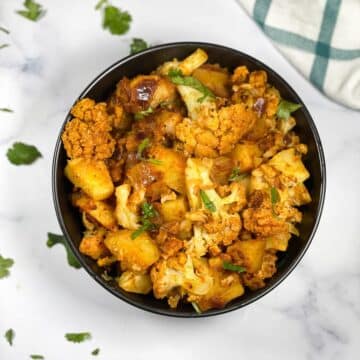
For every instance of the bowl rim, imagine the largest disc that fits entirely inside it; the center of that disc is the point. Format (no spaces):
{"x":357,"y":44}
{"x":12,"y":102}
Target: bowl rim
{"x":169,"y":312}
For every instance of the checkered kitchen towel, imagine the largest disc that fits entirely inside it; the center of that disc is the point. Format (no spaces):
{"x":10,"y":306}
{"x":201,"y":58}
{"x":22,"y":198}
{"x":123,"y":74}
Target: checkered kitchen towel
{"x":320,"y":37}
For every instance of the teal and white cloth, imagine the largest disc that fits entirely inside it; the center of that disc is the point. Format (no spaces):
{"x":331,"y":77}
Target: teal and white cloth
{"x":320,"y":37}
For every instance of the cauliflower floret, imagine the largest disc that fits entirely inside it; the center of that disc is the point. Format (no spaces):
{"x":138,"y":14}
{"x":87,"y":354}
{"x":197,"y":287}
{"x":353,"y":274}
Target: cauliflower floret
{"x":180,"y":274}
{"x":134,"y":282}
{"x":127,"y":206}
{"x":92,"y":244}
{"x":144,"y":92}
{"x":88,"y":134}
{"x":221,"y":226}
{"x":211,"y":132}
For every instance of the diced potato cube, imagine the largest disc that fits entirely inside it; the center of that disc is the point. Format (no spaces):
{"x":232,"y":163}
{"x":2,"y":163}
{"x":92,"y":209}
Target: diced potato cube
{"x":135,"y":282}
{"x":91,"y":176}
{"x":290,"y":164}
{"x":225,"y":288}
{"x":172,"y":167}
{"x":193,"y":61}
{"x":278,"y":241}
{"x":214,"y":78}
{"x":246,"y":156}
{"x":174,"y":210}
{"x":99,"y":210}
{"x":250,"y":251}
{"x":134,"y":254}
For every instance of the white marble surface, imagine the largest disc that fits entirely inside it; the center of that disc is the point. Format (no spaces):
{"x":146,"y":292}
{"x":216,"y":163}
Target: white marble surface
{"x":314,"y":314}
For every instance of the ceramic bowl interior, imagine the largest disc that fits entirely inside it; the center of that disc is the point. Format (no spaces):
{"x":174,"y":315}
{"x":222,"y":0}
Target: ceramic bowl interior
{"x":144,"y":63}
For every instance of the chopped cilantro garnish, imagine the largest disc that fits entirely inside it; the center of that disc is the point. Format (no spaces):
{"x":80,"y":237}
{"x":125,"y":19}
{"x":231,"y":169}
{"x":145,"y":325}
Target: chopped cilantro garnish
{"x":3,"y":46}
{"x":95,"y":352}
{"x":33,"y":12}
{"x":6,"y":31}
{"x":141,"y":114}
{"x":54,"y":239}
{"x":9,"y":336}
{"x":37,"y":357}
{"x":274,"y":195}
{"x":6,"y":110}
{"x":22,"y":154}
{"x":285,"y":108}
{"x":5,"y":265}
{"x":138,"y":45}
{"x":142,"y":146}
{"x":148,"y":213}
{"x":236,"y":175}
{"x":115,"y":20}
{"x":229,"y":266}
{"x":78,"y":337}
{"x":178,"y":78}
{"x":207,"y":202}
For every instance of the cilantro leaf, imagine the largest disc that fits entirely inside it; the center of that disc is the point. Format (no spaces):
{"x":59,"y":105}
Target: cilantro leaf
{"x":78,"y":337}
{"x":141,"y":114}
{"x":22,"y":154}
{"x":33,"y":12}
{"x":116,"y":21}
{"x":5,"y":265}
{"x":95,"y":352}
{"x":54,"y":239}
{"x":236,"y":175}
{"x":148,"y":212}
{"x":3,"y":46}
{"x":207,"y":202}
{"x":142,"y":146}
{"x":6,"y":110}
{"x":274,"y":195}
{"x":37,"y":357}
{"x":9,"y":336}
{"x":138,"y":45}
{"x":6,"y":31}
{"x":196,"y":307}
{"x":285,"y":108}
{"x":100,"y":4}
{"x":229,"y":266}
{"x":178,"y":78}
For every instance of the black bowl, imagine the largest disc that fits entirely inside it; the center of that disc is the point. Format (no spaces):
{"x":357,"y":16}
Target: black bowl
{"x":143,"y":63}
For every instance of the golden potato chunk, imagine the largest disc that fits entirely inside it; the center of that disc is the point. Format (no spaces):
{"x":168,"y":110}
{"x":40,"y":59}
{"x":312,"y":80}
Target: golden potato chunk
{"x":91,"y":176}
{"x":135,"y":282}
{"x":134,"y":254}
{"x":249,"y":253}
{"x":100,"y":211}
{"x":174,"y":210}
{"x":193,"y":61}
{"x":246,"y":156}
{"x":92,"y":244}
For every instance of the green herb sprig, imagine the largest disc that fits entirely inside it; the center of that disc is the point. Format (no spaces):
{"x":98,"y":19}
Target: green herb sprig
{"x":148,"y":213}
{"x":33,"y":12}
{"x":78,"y":337}
{"x":141,"y":114}
{"x":22,"y":154}
{"x":177,"y":77}
{"x":6,"y":110}
{"x":274,"y":198}
{"x":138,"y":45}
{"x":285,"y":108}
{"x":9,"y":336}
{"x":236,"y":175}
{"x":95,"y":352}
{"x":54,"y":239}
{"x":232,"y":267}
{"x":115,"y":20}
{"x":37,"y":357}
{"x":207,"y":202}
{"x":5,"y":265}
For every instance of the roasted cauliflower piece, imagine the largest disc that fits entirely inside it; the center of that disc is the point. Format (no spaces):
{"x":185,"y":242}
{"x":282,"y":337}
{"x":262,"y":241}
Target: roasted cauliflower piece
{"x":213,"y":133}
{"x":88,"y":135}
{"x":134,"y":254}
{"x":144,"y":92}
{"x":127,"y":206}
{"x":91,"y":176}
{"x":92,"y":244}
{"x":180,"y":274}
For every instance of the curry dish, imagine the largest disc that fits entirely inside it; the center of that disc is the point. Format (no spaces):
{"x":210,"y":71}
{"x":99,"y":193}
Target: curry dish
{"x":188,"y":181}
